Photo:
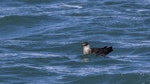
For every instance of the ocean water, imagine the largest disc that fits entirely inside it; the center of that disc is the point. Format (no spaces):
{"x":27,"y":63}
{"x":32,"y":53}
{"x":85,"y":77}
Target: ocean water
{"x":40,"y":41}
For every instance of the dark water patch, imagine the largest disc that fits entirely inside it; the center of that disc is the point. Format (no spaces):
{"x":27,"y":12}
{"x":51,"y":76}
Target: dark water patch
{"x":12,"y":3}
{"x":108,"y":61}
{"x":22,"y":26}
{"x":135,"y":4}
{"x":73,"y":64}
{"x":114,"y":2}
{"x":72,"y":48}
{"x":70,"y":79}
{"x":44,"y":60}
{"x":124,"y":51}
{"x":142,"y":50}
{"x":71,"y":30}
{"x":22,"y":74}
{"x":117,"y":79}
{"x":38,"y":46}
{"x":147,"y":21}
{"x":36,"y":1}
{"x":25,"y":20}
{"x":15,"y":47}
{"x":9,"y":78}
{"x":120,"y":25}
{"x":34,"y":37}
{"x":24,"y":71}
{"x":59,"y":47}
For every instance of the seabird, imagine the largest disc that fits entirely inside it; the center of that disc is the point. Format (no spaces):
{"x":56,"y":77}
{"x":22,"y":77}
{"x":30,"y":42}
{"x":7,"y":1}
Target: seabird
{"x":98,"y":51}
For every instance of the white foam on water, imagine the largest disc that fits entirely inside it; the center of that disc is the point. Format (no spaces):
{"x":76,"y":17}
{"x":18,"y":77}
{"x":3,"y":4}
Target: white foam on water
{"x":71,"y":6}
{"x":133,"y":44}
{"x":41,"y":54}
{"x":8,"y":54}
{"x":28,"y":55}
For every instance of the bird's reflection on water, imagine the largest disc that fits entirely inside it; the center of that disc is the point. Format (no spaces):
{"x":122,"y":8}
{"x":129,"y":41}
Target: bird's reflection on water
{"x":85,"y":59}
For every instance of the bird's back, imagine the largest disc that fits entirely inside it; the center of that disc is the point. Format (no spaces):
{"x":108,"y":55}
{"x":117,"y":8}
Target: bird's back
{"x":102,"y":51}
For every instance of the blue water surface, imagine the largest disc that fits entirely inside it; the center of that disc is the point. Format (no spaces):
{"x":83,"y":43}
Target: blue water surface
{"x":40,"y":41}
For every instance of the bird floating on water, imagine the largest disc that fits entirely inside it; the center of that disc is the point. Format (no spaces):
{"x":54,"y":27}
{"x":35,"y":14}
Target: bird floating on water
{"x":98,"y":51}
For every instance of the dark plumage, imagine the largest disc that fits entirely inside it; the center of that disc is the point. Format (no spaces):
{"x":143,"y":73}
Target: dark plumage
{"x":101,"y":51}
{"x":98,"y":51}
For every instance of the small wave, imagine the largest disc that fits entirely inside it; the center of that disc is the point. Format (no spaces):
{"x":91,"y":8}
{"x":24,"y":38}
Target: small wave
{"x":41,"y":55}
{"x":71,"y":6}
{"x":143,"y":10}
{"x":8,"y":54}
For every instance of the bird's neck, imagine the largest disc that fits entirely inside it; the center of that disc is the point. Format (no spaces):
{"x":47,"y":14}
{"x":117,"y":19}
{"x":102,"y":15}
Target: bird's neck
{"x":86,"y":50}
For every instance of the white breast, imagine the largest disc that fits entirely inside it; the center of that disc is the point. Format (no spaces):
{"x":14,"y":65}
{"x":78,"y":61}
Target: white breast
{"x":86,"y":50}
